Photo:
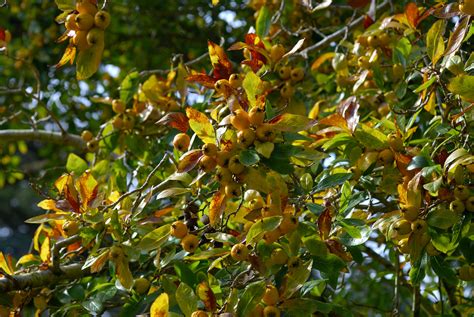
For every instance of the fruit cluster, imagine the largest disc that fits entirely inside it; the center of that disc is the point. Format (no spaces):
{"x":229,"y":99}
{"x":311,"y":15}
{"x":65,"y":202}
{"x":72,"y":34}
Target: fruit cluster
{"x":189,"y":241}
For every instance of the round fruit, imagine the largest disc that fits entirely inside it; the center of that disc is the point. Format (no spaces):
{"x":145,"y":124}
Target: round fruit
{"x":265,"y":133}
{"x":271,"y":295}
{"x":276,"y":52}
{"x":179,"y":229}
{"x":102,"y":19}
{"x":93,"y":146}
{"x":70,"y":227}
{"x":373,"y":41}
{"x":257,"y":311}
{"x":256,"y":203}
{"x":418,"y":226}
{"x":287,"y":90}
{"x":288,"y":223}
{"x":462,"y":192}
{"x":190,"y":243}
{"x":115,"y":252}
{"x":209,"y":149}
{"x":84,"y":21}
{"x":85,"y":6}
{"x":223,"y":175}
{"x":297,"y":74}
{"x":128,"y":122}
{"x":141,"y":285}
{"x":402,"y":227}
{"x":384,"y":39}
{"x":246,"y":137}
{"x":469,"y":204}
{"x":386,"y":156}
{"x":403,"y":246}
{"x":363,"y":62}
{"x":118,"y":106}
{"x":233,"y":190}
{"x":235,"y":167}
{"x":181,"y":142}
{"x":240,"y":120}
{"x":199,"y":313}
{"x":95,"y":36}
{"x":8,"y":36}
{"x":80,"y":40}
{"x":284,"y":72}
{"x":222,"y":158}
{"x":362,"y":40}
{"x":271,"y":236}
{"x":207,"y":163}
{"x":239,"y":252}
{"x":86,"y":135}
{"x":117,"y":123}
{"x":411,"y":213}
{"x":457,"y":206}
{"x":235,"y":81}
{"x":467,"y":7}
{"x":221,"y":85}
{"x":70,"y":23}
{"x":256,"y":116}
{"x":278,"y":257}
{"x":395,"y":142}
{"x":398,"y":71}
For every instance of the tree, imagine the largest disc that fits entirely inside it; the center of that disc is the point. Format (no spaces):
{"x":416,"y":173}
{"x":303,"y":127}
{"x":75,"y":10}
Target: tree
{"x":318,"y":164}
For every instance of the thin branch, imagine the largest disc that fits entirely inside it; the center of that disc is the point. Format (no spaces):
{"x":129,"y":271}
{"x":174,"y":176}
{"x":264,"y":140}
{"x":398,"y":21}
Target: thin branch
{"x":416,"y":301}
{"x":338,"y":34}
{"x":164,"y":71}
{"x":57,"y":247}
{"x":396,"y":295}
{"x":42,"y":135}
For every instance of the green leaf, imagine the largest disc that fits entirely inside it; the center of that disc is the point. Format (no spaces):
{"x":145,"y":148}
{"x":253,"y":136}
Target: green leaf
{"x":354,"y":234}
{"x":251,"y":83}
{"x":417,"y":271}
{"x":65,"y":5}
{"x":265,"y":149}
{"x":76,"y":164}
{"x":46,"y":217}
{"x":418,"y":162}
{"x":425,"y":85}
{"x":290,"y":122}
{"x":153,"y":240}
{"x":441,"y":217}
{"x":129,"y":86}
{"x":263,"y":22}
{"x":88,"y":61}
{"x":251,"y":296}
{"x":222,"y":237}
{"x":201,"y":125}
{"x":186,"y":299}
{"x":259,"y":228}
{"x":249,"y":157}
{"x":185,"y":274}
{"x":332,"y":181}
{"x":296,"y":278}
{"x":204,"y":255}
{"x":462,"y":85}
{"x":443,"y":270}
{"x":370,"y":137}
{"x":435,"y":40}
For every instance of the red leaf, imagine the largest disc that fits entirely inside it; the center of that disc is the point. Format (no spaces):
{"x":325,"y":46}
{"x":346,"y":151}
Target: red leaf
{"x":203,"y":79}
{"x":413,"y":14}
{"x":324,"y":224}
{"x":368,"y":21}
{"x":348,"y":109}
{"x":220,"y":62}
{"x":335,"y":247}
{"x":206,"y":294}
{"x":2,"y":34}
{"x":217,"y":207}
{"x":356,"y":4}
{"x":189,"y":160}
{"x":177,"y":120}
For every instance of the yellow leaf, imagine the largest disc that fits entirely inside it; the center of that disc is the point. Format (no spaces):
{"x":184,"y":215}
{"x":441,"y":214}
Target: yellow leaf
{"x":87,"y":187}
{"x":217,"y":207}
{"x":431,"y":104}
{"x":48,"y":204}
{"x":201,"y":125}
{"x":414,"y":197}
{"x":68,"y":56}
{"x":123,"y":272}
{"x":4,"y":264}
{"x":27,"y":258}
{"x":113,"y":197}
{"x":321,"y":59}
{"x":61,"y":182}
{"x":160,"y":306}
{"x":215,"y":2}
{"x":45,"y":252}
{"x":88,"y":61}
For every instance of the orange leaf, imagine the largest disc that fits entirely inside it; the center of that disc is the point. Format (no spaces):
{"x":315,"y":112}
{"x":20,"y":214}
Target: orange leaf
{"x":189,"y":160}
{"x":88,"y":187}
{"x":217,"y":207}
{"x":5,"y":264}
{"x":413,"y":14}
{"x":48,"y":204}
{"x":321,"y":59}
{"x":335,"y":120}
{"x":335,"y":247}
{"x":324,"y":224}
{"x":203,"y":79}
{"x":206,"y":294}
{"x":162,"y":212}
{"x":160,"y":306}
{"x":201,"y":125}
{"x":99,"y":262}
{"x":219,"y":60}
{"x":175,"y":120}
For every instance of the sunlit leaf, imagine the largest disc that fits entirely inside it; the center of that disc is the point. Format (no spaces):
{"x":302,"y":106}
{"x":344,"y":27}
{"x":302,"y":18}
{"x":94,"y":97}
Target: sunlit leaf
{"x":201,"y":125}
{"x":153,"y":240}
{"x":175,"y":120}
{"x":435,"y":41}
{"x":462,"y":85}
{"x":259,"y":228}
{"x":88,"y":61}
{"x":189,"y":160}
{"x":216,"y":207}
{"x":160,"y":306}
{"x":68,"y":56}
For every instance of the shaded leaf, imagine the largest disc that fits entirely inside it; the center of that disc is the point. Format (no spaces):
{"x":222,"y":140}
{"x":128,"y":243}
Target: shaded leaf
{"x":324,"y":224}
{"x":435,"y":41}
{"x":263,"y":21}
{"x":154,"y":239}
{"x":175,"y":120}
{"x":189,"y":160}
{"x":251,"y":296}
{"x":186,"y":299}
{"x":206,"y":294}
{"x":456,"y":38}
{"x":462,"y":85}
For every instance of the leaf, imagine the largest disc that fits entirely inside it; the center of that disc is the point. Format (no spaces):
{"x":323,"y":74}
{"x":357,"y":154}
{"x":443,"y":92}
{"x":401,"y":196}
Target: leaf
{"x":88,"y":188}
{"x":371,"y":137}
{"x":201,"y":125}
{"x":216,"y":207}
{"x":332,"y":181}
{"x":46,"y":218}
{"x":462,"y":85}
{"x":441,"y":217}
{"x":205,"y":255}
{"x":251,"y":83}
{"x":294,"y":49}
{"x":249,"y":157}
{"x":456,"y":38}
{"x":425,"y":85}
{"x":206,"y":294}
{"x":129,"y":86}
{"x":263,"y":21}
{"x":154,"y":239}
{"x":417,"y":272}
{"x":324,"y":224}
{"x":186,"y":299}
{"x":435,"y":41}
{"x":259,"y":228}
{"x":251,"y":296}
{"x":219,"y":60}
{"x":123,"y":272}
{"x":189,"y":160}
{"x":5,"y":264}
{"x":96,"y":263}
{"x":412,"y":13}
{"x":296,"y":278}
{"x":175,"y":120}
{"x":68,"y":56}
{"x":76,"y":164}
{"x":48,"y":204}
{"x":160,"y":306}
{"x":321,"y":59}
{"x":45,"y":251}
{"x":442,"y":269}
{"x":171,"y":192}
{"x":203,"y":79}
{"x":65,"y":5}
{"x":292,"y":122}
{"x":215,"y":2}
{"x":88,"y":61}
{"x":265,"y":149}
{"x":414,"y":194}
{"x":349,"y":111}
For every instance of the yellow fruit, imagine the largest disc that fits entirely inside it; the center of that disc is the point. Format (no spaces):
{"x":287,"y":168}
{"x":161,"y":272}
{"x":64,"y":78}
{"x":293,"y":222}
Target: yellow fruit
{"x":457,"y":206}
{"x":462,"y":192}
{"x":284,"y":72}
{"x":384,"y":39}
{"x":207,"y":164}
{"x":386,"y":156}
{"x":278,"y":257}
{"x":257,"y":311}
{"x":190,"y":243}
{"x":86,"y":135}
{"x":255,"y":203}
{"x":256,"y":116}
{"x":179,"y":229}
{"x":276,"y":52}
{"x":235,"y":167}
{"x":141,"y":285}
{"x":118,"y":106}
{"x":8,"y":36}
{"x":221,"y":85}
{"x":93,"y":146}
{"x":117,"y":123}
{"x":199,"y":313}
{"x":235,"y":81}
{"x":70,"y":23}
{"x":246,"y":137}
{"x":233,"y":190}
{"x":128,"y":122}
{"x":240,"y":120}
{"x":181,"y":142}
{"x":70,"y":227}
{"x":469,"y":204}
{"x":95,"y":36}
{"x":239,"y":252}
{"x":363,"y":62}
{"x":209,"y":149}
{"x":102,"y":19}
{"x":222,"y":158}
{"x":265,"y":133}
{"x":287,"y":91}
{"x":80,"y":40}
{"x":411,"y":213}
{"x":373,"y":41}
{"x":271,"y":295}
{"x":84,"y":21}
{"x":467,"y":7}
{"x":223,"y":175}
{"x":85,"y":6}
{"x":288,"y":223}
{"x":403,"y":246}
{"x":297,"y":74}
{"x":271,"y":236}
{"x":402,"y":227}
{"x":362,"y":40}
{"x":418,"y":226}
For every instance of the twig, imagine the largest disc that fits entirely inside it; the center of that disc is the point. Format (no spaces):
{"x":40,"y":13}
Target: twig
{"x":416,"y":301}
{"x":57,"y":247}
{"x":42,"y":135}
{"x":396,"y":295}
{"x":164,"y":71}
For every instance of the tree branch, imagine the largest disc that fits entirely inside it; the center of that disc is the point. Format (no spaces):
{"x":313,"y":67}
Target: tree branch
{"x":42,"y":278}
{"x":338,"y":34}
{"x":42,"y":135}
